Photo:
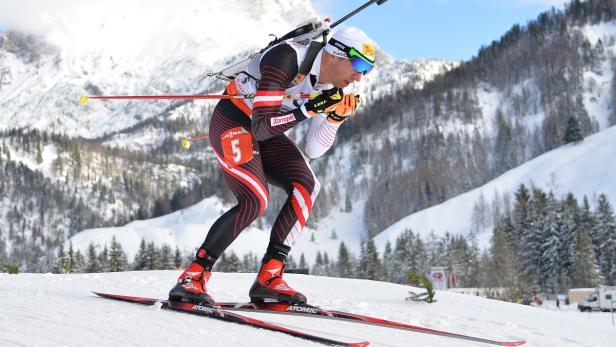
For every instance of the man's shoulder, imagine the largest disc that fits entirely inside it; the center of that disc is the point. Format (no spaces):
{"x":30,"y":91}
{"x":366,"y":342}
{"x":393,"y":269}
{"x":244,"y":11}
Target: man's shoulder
{"x":289,"y":48}
{"x":283,"y":56}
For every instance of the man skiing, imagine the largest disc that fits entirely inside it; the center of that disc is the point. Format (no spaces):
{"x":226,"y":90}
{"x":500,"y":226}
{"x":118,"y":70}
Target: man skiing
{"x":249,"y":141}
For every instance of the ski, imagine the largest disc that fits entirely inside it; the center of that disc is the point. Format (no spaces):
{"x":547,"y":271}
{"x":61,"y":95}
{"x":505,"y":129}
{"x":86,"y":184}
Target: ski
{"x":220,"y":314}
{"x":307,"y":310}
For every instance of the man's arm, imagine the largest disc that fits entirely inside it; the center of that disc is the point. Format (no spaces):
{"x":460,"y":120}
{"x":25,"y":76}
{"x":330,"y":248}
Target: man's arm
{"x":278,"y":68}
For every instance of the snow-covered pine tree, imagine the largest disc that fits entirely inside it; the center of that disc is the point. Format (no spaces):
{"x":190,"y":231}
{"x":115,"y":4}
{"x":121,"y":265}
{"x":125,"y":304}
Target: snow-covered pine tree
{"x":344,"y":265}
{"x":62,"y":265}
{"x":586,"y":270}
{"x":74,"y":266}
{"x":573,"y":133}
{"x":291,"y":264}
{"x":371,"y":267}
{"x":419,"y":256}
{"x":166,"y":258}
{"x":152,"y":257}
{"x":587,"y":224}
{"x":302,"y":262}
{"x":141,"y":262}
{"x":327,"y":266}
{"x":251,"y":263}
{"x":401,"y":258}
{"x":503,"y":267}
{"x":318,"y":269}
{"x":532,"y":239}
{"x":520,"y":217}
{"x":103,"y":259}
{"x":80,"y":262}
{"x":177,"y":259}
{"x":550,"y":249}
{"x":92,"y":264}
{"x":605,"y":229}
{"x":233,"y":263}
{"x":388,"y":256}
{"x":570,"y":216}
{"x":117,"y":257}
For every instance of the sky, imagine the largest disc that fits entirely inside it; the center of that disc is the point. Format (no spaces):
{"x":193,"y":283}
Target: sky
{"x":405,"y":29}
{"x":442,"y":29}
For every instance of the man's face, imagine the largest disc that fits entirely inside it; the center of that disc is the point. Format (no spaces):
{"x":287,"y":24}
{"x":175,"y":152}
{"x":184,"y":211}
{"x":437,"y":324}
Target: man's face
{"x":344,"y":74}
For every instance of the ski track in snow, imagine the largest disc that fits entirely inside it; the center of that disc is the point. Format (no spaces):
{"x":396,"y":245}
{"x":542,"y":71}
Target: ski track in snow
{"x":60,"y":310}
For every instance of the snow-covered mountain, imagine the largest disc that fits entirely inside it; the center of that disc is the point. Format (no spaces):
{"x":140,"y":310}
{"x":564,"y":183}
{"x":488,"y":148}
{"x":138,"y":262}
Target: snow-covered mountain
{"x":408,"y":148}
{"x":141,"y":49}
{"x":586,"y":169}
{"x":57,"y":310}
{"x":131,"y":160}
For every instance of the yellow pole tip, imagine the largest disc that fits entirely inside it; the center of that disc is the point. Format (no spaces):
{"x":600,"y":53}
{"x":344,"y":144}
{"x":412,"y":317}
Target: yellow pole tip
{"x":186,"y":143}
{"x":83,"y":100}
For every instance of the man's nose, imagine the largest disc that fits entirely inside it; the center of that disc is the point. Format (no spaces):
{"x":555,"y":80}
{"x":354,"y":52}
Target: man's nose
{"x":357,"y":76}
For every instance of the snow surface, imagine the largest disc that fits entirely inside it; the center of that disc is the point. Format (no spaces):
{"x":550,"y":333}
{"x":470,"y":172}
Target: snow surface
{"x":587,"y":169}
{"x":60,"y":310}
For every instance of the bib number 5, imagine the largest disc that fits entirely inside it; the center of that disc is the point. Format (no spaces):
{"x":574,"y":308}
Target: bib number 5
{"x":236,"y":146}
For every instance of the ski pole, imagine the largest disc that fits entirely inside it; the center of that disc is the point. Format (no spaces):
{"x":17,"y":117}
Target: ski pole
{"x":84,"y":99}
{"x":356,"y":11}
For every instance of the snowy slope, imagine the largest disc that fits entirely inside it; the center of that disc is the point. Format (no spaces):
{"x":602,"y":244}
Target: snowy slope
{"x":584,"y":169}
{"x":60,"y":310}
{"x":587,"y":169}
{"x":186,"y":229}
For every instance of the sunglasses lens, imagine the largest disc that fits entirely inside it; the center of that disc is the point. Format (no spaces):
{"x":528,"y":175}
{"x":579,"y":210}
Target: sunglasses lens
{"x":361,"y":66}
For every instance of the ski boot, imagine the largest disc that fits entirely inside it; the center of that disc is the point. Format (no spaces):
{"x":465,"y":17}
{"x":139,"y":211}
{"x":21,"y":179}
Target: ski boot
{"x":191,"y":286}
{"x":270,"y":287}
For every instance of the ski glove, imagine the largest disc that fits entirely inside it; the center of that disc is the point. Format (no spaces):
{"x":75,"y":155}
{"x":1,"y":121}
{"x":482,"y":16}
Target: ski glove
{"x":323,"y":101}
{"x":340,"y":111}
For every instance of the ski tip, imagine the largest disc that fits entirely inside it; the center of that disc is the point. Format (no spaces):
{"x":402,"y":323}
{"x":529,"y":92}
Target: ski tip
{"x":83,"y":99}
{"x":513,"y":343}
{"x":358,"y":344}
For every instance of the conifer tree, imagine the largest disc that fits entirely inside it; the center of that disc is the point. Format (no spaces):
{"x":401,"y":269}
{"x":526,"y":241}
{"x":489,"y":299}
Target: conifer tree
{"x":503,"y":265}
{"x":103,"y":259}
{"x":372,"y":265}
{"x":605,"y":229}
{"x":117,"y":257}
{"x":177,"y":259}
{"x":387,"y":262}
{"x":72,"y":258}
{"x":532,"y":239}
{"x":166,"y":258}
{"x":573,"y":133}
{"x":140,"y":262}
{"x":291,"y":264}
{"x":302,"y":262}
{"x":317,"y":269}
{"x":153,"y":259}
{"x":550,"y":250}
{"x":92,"y":264}
{"x":80,"y":262}
{"x":62,"y":264}
{"x":233,"y":263}
{"x":344,"y":265}
{"x":401,"y":258}
{"x":586,"y":271}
